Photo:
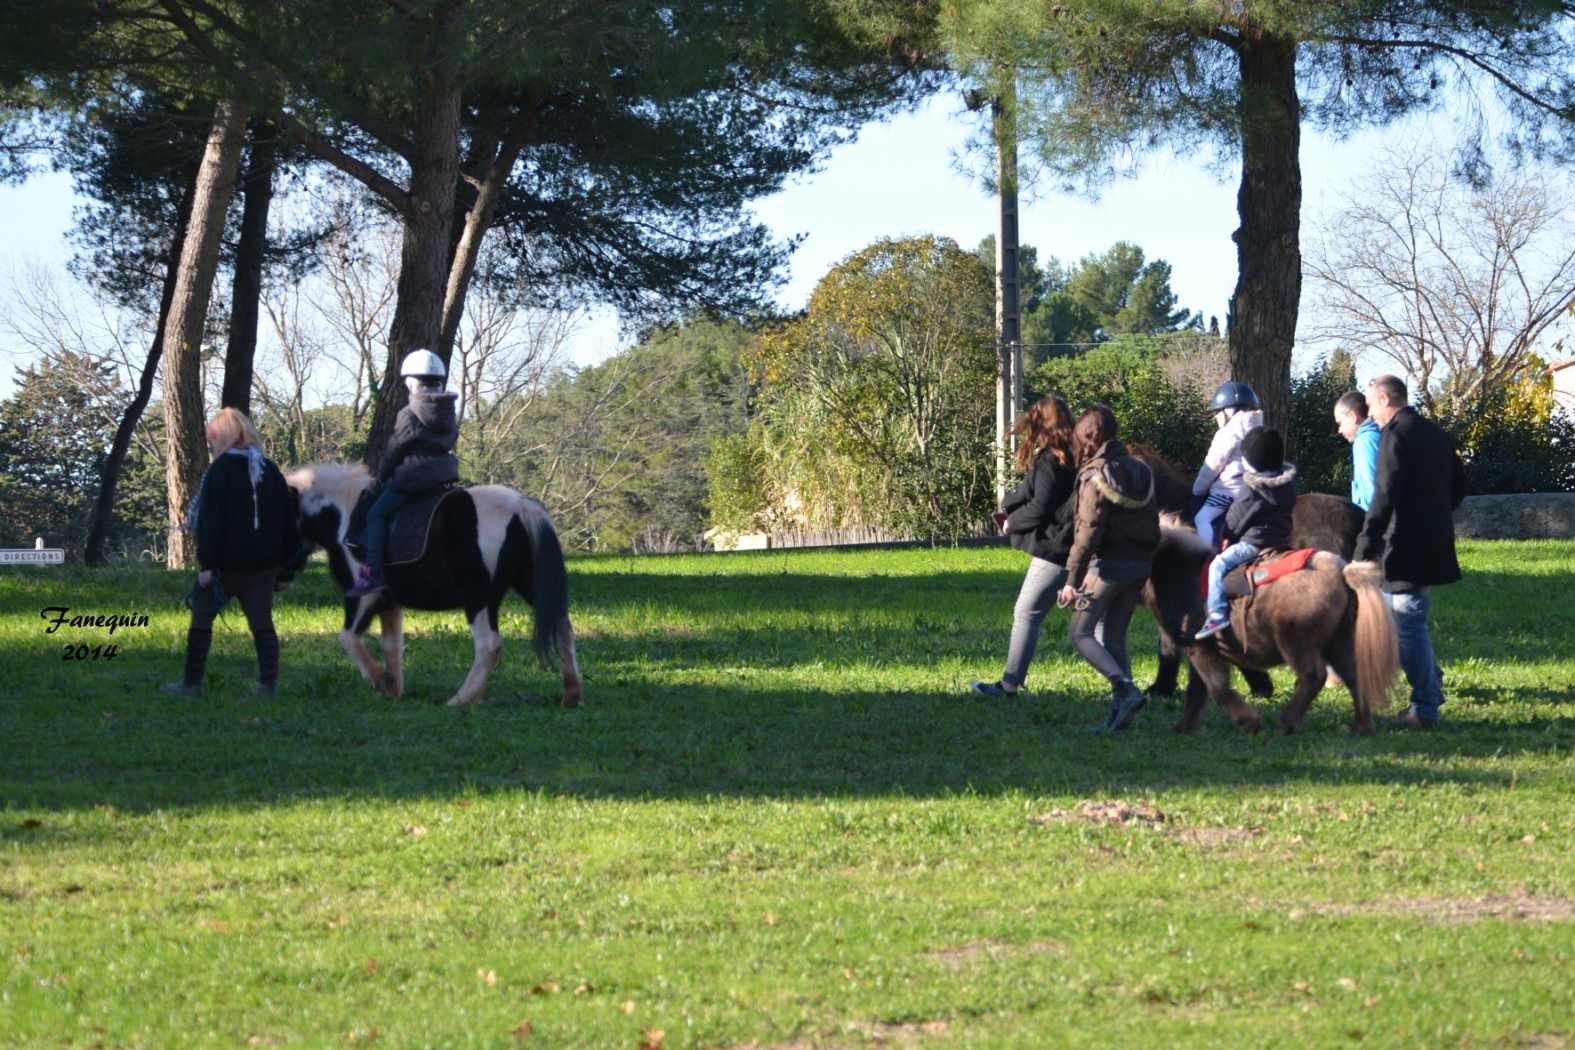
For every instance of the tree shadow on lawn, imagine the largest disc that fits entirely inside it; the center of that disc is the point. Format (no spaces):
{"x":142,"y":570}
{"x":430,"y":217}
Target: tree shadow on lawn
{"x":666,"y":740}
{"x":684,"y":711}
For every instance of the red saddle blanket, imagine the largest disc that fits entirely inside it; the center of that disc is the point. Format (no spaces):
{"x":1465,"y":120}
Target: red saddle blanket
{"x":1247,"y":578}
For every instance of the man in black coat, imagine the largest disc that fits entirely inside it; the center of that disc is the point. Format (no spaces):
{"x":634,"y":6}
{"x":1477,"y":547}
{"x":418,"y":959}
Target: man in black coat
{"x":1410,"y":528}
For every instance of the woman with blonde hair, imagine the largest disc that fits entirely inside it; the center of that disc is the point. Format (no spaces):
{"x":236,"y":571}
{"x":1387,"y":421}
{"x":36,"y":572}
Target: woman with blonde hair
{"x":1034,"y":519}
{"x":245,"y":525}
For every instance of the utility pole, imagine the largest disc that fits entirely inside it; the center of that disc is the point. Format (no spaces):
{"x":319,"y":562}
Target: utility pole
{"x":1008,"y":322}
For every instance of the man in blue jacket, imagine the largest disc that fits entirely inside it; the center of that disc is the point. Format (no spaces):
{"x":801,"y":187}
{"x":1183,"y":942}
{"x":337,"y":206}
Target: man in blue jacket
{"x":1350,"y":416}
{"x":1410,"y":531}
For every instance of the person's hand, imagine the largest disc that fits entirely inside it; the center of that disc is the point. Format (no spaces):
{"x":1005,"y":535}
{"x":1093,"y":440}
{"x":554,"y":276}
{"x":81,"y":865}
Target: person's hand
{"x":1066,"y":596}
{"x":205,"y":577}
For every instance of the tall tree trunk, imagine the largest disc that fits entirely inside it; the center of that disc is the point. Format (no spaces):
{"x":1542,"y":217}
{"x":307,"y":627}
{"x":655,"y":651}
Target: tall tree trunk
{"x":1268,"y":244}
{"x":478,"y":219}
{"x":187,"y":452}
{"x":424,"y":253}
{"x":109,"y":477}
{"x":257,"y":190}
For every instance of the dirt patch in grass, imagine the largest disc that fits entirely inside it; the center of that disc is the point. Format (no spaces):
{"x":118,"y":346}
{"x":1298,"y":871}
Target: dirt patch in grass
{"x":1216,"y":838}
{"x":960,"y":955}
{"x":1116,"y":813}
{"x":1112,"y":811}
{"x":1451,"y":910}
{"x":897,"y":1035}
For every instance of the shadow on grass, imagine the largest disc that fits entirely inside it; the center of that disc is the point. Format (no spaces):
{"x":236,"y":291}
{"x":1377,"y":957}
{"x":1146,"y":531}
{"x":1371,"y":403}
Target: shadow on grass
{"x":674,"y":741}
{"x":678,"y":712}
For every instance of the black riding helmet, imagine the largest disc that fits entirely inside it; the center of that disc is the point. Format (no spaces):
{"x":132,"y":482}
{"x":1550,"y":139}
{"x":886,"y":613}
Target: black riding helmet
{"x":1232,"y":394}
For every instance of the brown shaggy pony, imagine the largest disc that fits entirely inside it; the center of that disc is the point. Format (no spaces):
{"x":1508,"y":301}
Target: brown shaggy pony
{"x":1326,"y":523}
{"x":1330,"y":615}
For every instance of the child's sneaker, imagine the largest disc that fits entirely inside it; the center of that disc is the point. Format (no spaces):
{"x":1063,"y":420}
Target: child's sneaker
{"x":1213,"y":626}
{"x":368,"y":582}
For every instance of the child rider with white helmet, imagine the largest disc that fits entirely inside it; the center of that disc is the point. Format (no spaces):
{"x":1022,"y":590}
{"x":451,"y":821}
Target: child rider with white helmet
{"x":420,"y":457}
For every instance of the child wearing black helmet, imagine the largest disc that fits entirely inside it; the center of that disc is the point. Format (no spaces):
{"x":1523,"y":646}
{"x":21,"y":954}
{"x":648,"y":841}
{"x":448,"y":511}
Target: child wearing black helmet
{"x":1258,"y":520}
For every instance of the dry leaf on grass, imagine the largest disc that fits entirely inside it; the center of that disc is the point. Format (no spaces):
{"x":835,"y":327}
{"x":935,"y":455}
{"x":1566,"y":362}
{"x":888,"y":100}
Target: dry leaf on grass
{"x":370,"y":965}
{"x":521,"y":1031}
{"x":651,"y":1038}
{"x":488,"y":977}
{"x":545,"y":988}
{"x":627,"y":1006}
{"x":415,"y":831}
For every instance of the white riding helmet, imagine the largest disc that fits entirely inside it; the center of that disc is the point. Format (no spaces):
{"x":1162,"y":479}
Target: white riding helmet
{"x":422,"y":364}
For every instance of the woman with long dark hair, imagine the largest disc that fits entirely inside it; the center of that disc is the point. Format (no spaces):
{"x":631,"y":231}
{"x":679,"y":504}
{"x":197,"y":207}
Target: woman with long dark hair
{"x":1036,"y":523}
{"x":1113,"y":543}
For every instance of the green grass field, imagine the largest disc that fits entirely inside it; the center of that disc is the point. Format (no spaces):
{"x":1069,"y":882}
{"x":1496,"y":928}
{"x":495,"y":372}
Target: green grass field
{"x":777,"y":823}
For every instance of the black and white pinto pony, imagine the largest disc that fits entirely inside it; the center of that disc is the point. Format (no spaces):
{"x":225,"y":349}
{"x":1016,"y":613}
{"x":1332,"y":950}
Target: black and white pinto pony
{"x":484,"y":541}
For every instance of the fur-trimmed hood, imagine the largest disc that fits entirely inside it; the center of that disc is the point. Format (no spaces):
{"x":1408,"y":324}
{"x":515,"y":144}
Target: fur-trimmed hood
{"x":1119,"y":478}
{"x":1263,"y":481}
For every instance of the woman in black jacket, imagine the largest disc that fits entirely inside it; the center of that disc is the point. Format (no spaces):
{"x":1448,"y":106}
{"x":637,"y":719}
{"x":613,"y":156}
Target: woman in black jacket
{"x":1036,"y":522}
{"x":245,"y":523}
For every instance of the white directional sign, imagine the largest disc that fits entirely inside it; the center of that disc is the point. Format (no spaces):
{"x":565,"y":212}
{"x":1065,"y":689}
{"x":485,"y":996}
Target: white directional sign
{"x":32,"y":556}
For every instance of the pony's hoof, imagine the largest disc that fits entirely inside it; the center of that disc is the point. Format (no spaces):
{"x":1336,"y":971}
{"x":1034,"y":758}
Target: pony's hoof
{"x":387,"y":684}
{"x":1363,"y":730}
{"x":1154,"y":692}
{"x":460,"y":701}
{"x":1183,"y":727}
{"x":572,"y":697}
{"x":1250,"y":725}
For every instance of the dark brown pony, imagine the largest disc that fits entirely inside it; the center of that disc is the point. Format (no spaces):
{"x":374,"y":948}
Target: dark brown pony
{"x":1329,"y":616}
{"x":1326,"y":523}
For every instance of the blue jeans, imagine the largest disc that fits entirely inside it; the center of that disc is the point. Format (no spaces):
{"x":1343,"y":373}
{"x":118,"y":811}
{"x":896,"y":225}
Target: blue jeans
{"x":377,"y":519}
{"x":1416,"y":652}
{"x":1227,"y":559}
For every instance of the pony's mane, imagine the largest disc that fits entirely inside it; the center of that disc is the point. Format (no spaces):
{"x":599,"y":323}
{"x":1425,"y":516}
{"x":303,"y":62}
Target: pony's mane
{"x":1177,"y":538}
{"x":338,"y":483}
{"x":1172,"y":485}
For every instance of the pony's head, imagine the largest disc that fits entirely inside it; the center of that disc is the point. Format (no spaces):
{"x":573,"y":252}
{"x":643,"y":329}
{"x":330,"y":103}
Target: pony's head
{"x":325,"y":494}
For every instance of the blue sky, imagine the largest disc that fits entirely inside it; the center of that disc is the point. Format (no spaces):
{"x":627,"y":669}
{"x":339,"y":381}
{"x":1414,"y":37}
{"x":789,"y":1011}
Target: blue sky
{"x":901,"y":178}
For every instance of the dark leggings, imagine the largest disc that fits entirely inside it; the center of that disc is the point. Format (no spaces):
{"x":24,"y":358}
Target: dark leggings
{"x":1112,"y":603}
{"x":254,"y":591}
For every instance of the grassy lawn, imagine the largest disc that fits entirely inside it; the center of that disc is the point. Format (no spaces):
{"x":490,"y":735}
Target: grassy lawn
{"x":777,"y":823}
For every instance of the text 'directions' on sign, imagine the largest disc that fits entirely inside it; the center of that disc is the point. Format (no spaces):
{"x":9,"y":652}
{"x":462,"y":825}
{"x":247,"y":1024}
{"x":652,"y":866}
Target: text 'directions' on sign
{"x":29,"y":556}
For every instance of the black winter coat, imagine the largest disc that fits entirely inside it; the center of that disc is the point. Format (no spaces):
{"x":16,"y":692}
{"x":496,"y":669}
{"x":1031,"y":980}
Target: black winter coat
{"x":1039,"y":511}
{"x":227,"y":539}
{"x":1411,"y":527}
{"x":1261,"y":516}
{"x":421,"y":450}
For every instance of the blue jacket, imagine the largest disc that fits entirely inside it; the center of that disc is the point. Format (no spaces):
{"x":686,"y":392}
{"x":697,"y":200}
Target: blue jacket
{"x":1364,"y":463}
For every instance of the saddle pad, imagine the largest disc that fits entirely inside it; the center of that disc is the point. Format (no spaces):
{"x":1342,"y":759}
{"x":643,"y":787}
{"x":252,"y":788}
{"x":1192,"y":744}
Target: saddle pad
{"x":1265,"y":573}
{"x":1262,"y":571}
{"x":407,"y":532}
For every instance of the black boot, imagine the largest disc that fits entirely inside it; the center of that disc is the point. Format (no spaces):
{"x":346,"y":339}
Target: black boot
{"x":1129,"y":701}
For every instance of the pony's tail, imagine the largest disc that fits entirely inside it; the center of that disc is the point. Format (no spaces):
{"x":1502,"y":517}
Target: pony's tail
{"x":1377,"y":644}
{"x":549,"y":577}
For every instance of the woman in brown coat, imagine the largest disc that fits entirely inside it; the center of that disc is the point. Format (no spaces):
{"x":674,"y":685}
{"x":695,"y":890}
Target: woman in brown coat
{"x":1117,"y":530}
